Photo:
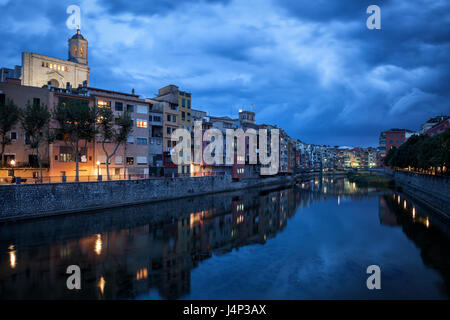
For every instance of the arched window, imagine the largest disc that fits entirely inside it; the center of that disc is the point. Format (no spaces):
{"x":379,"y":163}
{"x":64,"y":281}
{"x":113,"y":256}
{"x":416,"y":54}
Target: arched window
{"x":81,"y":51}
{"x":75,"y":51}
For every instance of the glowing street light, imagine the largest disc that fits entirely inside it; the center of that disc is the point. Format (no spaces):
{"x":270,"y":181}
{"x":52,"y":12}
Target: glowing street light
{"x":98,"y":168}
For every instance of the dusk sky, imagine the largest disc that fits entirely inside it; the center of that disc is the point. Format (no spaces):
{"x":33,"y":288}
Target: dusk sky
{"x":311,"y":67}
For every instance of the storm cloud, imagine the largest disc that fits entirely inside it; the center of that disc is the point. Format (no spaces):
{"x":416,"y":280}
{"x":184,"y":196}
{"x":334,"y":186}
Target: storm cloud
{"x":311,"y":67}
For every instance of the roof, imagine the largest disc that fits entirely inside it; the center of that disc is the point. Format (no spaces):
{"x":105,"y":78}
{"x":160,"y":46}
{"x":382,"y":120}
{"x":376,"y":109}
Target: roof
{"x":78,"y":35}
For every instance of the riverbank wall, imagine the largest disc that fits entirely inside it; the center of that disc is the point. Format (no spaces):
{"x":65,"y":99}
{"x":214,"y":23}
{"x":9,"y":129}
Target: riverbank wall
{"x":434,"y":191}
{"x":39,"y":200}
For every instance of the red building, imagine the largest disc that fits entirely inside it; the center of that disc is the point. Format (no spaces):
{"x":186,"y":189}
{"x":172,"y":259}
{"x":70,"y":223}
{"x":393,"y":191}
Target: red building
{"x":439,"y":128}
{"x":396,"y":137}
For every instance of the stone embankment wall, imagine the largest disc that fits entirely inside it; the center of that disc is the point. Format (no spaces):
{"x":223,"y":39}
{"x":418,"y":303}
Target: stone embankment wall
{"x":432,"y":190}
{"x":37,"y":200}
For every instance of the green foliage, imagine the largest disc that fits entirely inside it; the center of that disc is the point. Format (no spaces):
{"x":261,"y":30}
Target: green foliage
{"x":77,"y":123}
{"x":114,"y":133}
{"x":35,"y":119}
{"x":9,"y":116}
{"x":117,"y":134}
{"x":421,"y":153}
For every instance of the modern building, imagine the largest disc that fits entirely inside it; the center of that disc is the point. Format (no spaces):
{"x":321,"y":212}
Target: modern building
{"x":155,"y":131}
{"x":431,"y":123}
{"x":6,"y":73}
{"x":439,"y":127}
{"x":393,"y":138}
{"x":131,"y":158}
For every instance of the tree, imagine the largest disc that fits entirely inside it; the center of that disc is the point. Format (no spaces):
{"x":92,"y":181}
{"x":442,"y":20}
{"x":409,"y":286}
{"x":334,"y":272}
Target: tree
{"x":35,"y":120}
{"x":116,"y":134}
{"x":77,"y":123}
{"x":9,"y":115}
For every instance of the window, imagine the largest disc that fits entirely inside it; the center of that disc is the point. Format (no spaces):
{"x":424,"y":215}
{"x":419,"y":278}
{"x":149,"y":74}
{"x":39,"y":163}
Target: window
{"x":67,"y":69}
{"x":158,"y":141}
{"x":150,"y":118}
{"x":81,"y":51}
{"x":141,"y":141}
{"x":183,"y":102}
{"x":141,"y":123}
{"x":141,"y":160}
{"x":188,"y":117}
{"x":130,"y":108}
{"x":118,"y":106}
{"x":189,"y":104}
{"x":168,"y":144}
{"x":2,"y":98}
{"x":74,"y":52}
{"x":183,"y":115}
{"x":169,"y":130}
{"x":118,"y":159}
{"x":168,"y":117}
{"x":65,"y":154}
{"x":130,"y":140}
{"x":141,"y":109}
{"x":13,"y":136}
{"x":103,"y":104}
{"x":116,"y":121}
{"x":174,"y":118}
{"x":156,"y":118}
{"x":130,"y":161}
{"x":102,"y":159}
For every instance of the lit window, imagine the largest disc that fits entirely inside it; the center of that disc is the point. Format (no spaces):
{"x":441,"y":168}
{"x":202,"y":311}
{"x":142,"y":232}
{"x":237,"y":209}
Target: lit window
{"x":67,"y":69}
{"x":103,"y":104}
{"x":81,"y":51}
{"x":74,"y":50}
{"x":141,"y":123}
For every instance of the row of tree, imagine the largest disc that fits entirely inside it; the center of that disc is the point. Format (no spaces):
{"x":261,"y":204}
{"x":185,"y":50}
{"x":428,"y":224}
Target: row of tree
{"x":422,"y":153}
{"x":77,"y":123}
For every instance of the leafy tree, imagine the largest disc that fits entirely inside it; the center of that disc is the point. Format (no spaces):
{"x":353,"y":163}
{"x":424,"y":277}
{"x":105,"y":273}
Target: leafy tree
{"x":422,"y":153}
{"x":35,"y":120}
{"x":116,"y":134}
{"x":9,"y":116}
{"x":77,"y":123}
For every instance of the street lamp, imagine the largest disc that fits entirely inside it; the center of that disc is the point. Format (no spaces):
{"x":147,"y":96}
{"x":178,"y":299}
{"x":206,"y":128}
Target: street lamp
{"x":13,"y":163}
{"x":98,"y":169}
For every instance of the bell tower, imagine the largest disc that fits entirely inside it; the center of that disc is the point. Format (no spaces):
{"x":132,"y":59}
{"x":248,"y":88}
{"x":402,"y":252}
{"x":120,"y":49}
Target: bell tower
{"x":78,"y":49}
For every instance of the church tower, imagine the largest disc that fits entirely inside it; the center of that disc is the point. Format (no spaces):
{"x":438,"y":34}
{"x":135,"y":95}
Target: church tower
{"x":78,"y":49}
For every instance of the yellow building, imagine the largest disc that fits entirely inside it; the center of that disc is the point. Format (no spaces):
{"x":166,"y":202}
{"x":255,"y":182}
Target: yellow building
{"x":184,"y":107}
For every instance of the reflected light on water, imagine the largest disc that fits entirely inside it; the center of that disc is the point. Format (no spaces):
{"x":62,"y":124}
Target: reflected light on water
{"x":12,"y":257}
{"x":101,"y":284}
{"x":404,"y":204}
{"x":414,"y":213}
{"x":98,"y":244}
{"x":427,"y":223}
{"x":339,"y":200}
{"x":141,"y":274}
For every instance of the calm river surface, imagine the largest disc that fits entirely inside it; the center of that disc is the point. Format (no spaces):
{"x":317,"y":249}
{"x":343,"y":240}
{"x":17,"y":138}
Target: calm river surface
{"x":311,"y":241}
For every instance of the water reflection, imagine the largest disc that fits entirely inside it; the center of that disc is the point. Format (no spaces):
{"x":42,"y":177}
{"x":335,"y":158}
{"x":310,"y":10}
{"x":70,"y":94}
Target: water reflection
{"x":152,"y":250}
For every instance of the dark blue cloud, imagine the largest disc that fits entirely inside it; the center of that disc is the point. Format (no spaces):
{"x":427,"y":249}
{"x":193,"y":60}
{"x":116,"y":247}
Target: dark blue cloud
{"x":311,"y":67}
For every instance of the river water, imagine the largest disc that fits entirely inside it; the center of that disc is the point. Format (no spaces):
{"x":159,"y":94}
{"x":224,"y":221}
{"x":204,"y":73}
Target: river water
{"x":311,"y":241}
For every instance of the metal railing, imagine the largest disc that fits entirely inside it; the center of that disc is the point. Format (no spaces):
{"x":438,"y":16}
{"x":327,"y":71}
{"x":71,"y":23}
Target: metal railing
{"x":86,"y":178}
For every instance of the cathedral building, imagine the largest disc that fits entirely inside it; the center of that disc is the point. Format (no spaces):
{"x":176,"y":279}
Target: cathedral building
{"x":39,"y":70}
